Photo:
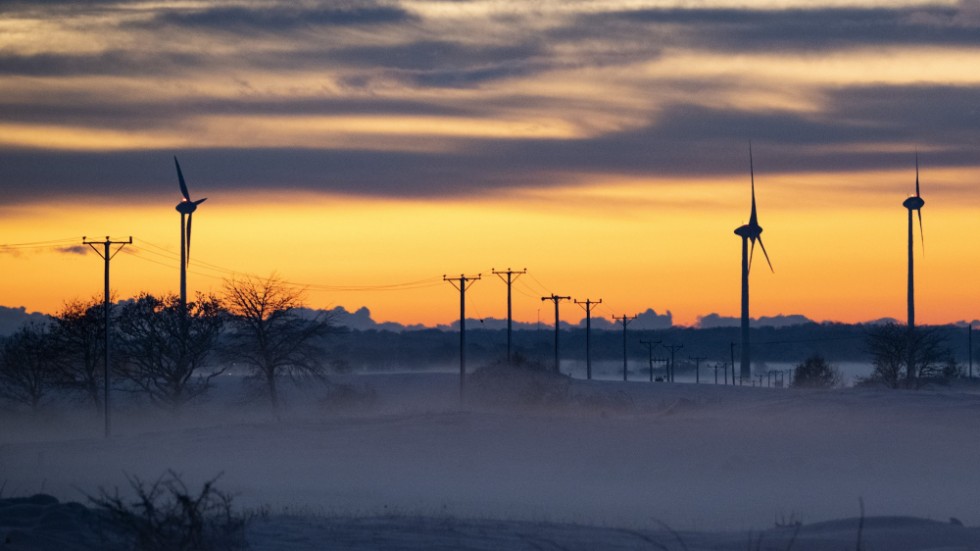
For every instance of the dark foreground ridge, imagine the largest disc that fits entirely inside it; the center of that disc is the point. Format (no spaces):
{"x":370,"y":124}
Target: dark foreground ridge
{"x":42,"y":523}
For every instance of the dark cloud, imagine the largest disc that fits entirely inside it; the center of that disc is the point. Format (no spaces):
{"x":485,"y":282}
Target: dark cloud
{"x":801,"y":29}
{"x":74,"y":249}
{"x":447,"y":64}
{"x":279,"y":18}
{"x":108,"y":63}
{"x":91,"y":110}
{"x":686,"y":140}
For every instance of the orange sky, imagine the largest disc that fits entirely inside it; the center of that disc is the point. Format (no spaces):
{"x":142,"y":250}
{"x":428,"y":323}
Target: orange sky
{"x":836,"y":258}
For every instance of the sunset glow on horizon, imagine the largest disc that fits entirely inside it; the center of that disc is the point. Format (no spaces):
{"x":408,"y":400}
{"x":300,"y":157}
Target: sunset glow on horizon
{"x":366,"y":150}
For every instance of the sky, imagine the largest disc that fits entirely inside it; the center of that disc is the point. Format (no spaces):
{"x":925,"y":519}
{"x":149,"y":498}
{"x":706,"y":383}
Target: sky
{"x":366,"y":149}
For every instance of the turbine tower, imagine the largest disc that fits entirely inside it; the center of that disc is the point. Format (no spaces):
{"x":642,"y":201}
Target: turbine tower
{"x":914,"y":202}
{"x":186,"y":208}
{"x":749,"y":232}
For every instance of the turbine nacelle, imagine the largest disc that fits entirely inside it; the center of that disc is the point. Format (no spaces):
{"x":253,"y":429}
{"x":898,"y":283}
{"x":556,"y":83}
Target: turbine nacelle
{"x":187,"y":207}
{"x":749,"y":231}
{"x":913,"y":203}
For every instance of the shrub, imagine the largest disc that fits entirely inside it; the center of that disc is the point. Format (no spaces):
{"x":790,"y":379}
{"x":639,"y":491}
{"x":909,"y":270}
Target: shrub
{"x":166,"y":516}
{"x":815,"y":372}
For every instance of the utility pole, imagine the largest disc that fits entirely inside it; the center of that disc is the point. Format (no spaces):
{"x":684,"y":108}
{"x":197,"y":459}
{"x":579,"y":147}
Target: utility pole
{"x":106,"y":255}
{"x":673,"y":348}
{"x":969,"y":346}
{"x":462,"y":283}
{"x":733,"y":365}
{"x":511,"y":278}
{"x":588,"y":305}
{"x":650,"y":345}
{"x":716,"y":373}
{"x":697,"y":369}
{"x":556,"y":299}
{"x":666,"y":362}
{"x":625,"y":321}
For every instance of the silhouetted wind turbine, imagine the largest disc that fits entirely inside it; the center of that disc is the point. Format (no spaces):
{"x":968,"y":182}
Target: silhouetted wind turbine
{"x":749,"y":232}
{"x":915,"y":203}
{"x":186,"y":208}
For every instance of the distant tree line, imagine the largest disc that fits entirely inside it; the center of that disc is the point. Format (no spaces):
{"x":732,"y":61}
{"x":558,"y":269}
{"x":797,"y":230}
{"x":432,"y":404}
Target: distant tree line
{"x":170,"y":355}
{"x":167,"y":352}
{"x":834,"y":342}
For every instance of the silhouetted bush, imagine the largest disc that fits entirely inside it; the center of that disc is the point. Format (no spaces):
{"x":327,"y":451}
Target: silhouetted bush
{"x":29,"y":366}
{"x":906,"y":356}
{"x":520,"y":382}
{"x":166,"y":516}
{"x":79,"y":331}
{"x":816,"y":372}
{"x":165,"y":350}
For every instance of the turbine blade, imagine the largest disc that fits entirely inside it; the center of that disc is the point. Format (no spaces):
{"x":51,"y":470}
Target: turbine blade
{"x":763,"y":245}
{"x":180,"y":178}
{"x":199,"y":201}
{"x":917,"y":174}
{"x":753,"y":218}
{"x":190,"y":220}
{"x":922,"y":236}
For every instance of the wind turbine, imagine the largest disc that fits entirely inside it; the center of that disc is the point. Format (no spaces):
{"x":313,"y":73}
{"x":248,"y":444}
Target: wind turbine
{"x":749,"y":232}
{"x":186,"y":208}
{"x":914,"y":202}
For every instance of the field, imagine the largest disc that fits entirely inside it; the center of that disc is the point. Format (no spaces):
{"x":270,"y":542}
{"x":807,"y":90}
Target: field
{"x":540,"y":462}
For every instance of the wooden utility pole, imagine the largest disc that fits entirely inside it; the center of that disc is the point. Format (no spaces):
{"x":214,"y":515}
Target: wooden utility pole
{"x":106,"y":255}
{"x":556,"y":299}
{"x":673,"y":349}
{"x":511,"y":278}
{"x":733,"y":365}
{"x":588,"y":305}
{"x":462,"y":283}
{"x":650,"y":345}
{"x":625,"y":321}
{"x":697,"y":369}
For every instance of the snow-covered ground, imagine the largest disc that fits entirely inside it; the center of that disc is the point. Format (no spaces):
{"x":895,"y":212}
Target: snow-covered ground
{"x":544,"y":463}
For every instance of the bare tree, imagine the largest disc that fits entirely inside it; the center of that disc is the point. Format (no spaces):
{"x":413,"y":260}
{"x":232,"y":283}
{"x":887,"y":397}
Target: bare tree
{"x":270,"y":336}
{"x":166,"y":349}
{"x":78,"y":332}
{"x":906,"y":356}
{"x":29,"y":366}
